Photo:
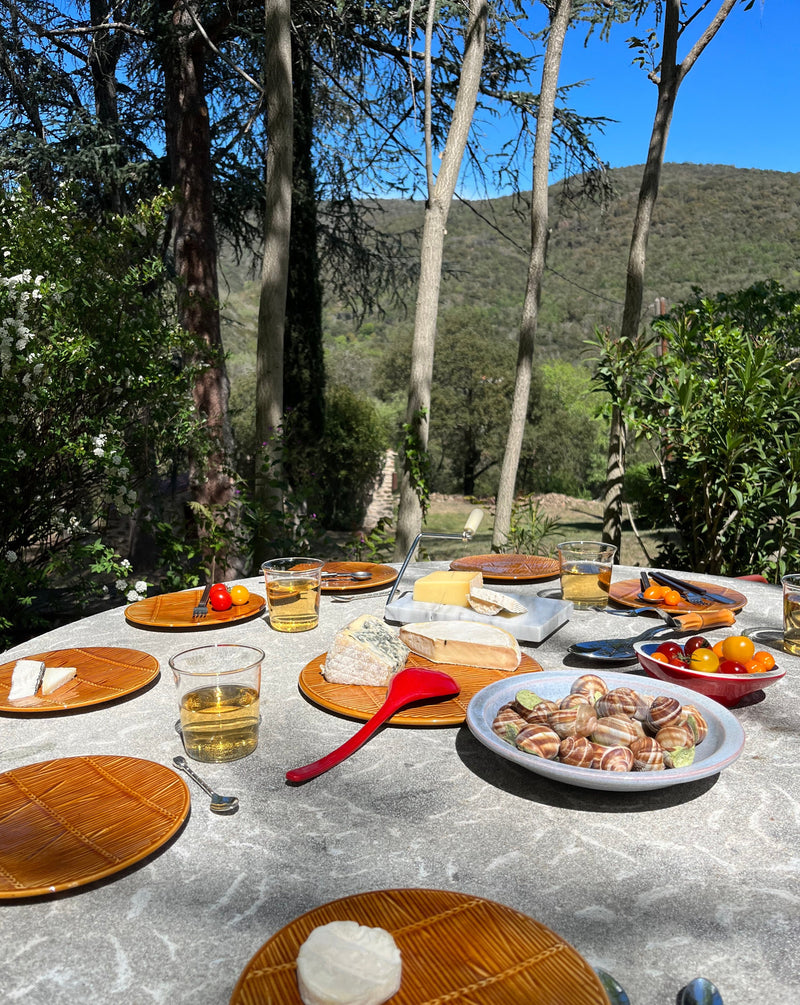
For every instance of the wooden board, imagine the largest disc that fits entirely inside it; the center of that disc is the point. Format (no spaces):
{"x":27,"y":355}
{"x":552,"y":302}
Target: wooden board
{"x":454,"y":948}
{"x":363,"y":702}
{"x":508,"y":568}
{"x":104,"y":673}
{"x":174,"y":610}
{"x":71,"y":821}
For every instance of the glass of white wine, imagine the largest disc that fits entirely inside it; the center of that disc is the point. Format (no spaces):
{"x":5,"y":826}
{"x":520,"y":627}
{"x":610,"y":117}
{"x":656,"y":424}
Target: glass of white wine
{"x":219,"y":688}
{"x":585,"y":569}
{"x":293,"y":588}
{"x":791,"y":613}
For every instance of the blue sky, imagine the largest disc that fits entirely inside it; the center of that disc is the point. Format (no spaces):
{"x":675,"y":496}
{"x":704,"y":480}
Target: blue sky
{"x":738,"y":105}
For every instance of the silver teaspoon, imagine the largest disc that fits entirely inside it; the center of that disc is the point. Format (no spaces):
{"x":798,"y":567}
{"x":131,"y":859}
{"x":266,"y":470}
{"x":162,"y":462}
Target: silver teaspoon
{"x":359,"y":574}
{"x":219,"y":804}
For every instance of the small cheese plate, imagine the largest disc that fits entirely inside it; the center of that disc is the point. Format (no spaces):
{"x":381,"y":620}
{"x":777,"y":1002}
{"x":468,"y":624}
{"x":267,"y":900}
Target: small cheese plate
{"x":541,"y":618}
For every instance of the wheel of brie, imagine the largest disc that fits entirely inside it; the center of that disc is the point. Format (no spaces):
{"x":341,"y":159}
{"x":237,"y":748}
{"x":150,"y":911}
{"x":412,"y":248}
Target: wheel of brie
{"x":344,"y":963}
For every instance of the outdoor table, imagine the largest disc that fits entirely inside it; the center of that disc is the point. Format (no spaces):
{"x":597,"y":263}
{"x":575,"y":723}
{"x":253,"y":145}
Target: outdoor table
{"x":655,"y":887}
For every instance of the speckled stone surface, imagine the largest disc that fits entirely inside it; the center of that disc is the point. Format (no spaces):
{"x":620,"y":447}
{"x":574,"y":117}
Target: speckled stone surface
{"x":656,"y":888}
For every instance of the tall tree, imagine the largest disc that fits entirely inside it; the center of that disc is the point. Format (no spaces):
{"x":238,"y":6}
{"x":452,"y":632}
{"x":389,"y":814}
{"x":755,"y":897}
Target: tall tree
{"x":440,"y":195}
{"x":668,"y":74}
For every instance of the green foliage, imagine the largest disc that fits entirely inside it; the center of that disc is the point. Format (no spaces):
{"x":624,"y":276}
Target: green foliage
{"x":721,"y":409}
{"x":95,"y":389}
{"x":377,"y":546}
{"x":529,"y":526}
{"x":416,"y":460}
{"x":348,"y":459}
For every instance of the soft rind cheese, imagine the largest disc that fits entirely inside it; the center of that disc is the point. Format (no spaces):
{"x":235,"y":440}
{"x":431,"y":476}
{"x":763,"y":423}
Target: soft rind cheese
{"x":463,"y":643}
{"x":447,"y":587}
{"x":56,"y":677}
{"x":367,"y":652}
{"x":492,"y":602}
{"x":25,"y":679}
{"x":344,"y":963}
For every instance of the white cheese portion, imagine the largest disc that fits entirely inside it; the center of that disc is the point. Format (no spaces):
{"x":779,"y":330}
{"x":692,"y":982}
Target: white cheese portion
{"x":463,"y":643}
{"x":55,"y":677}
{"x":491,"y":602}
{"x":367,"y":652}
{"x":25,"y":679}
{"x":344,"y":963}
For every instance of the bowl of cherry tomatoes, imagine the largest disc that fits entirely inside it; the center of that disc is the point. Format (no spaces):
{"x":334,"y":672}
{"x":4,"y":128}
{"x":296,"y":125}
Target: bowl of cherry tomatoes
{"x":726,"y":671}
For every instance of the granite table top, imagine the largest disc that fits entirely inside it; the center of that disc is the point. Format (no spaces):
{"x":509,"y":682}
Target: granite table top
{"x":655,"y":887}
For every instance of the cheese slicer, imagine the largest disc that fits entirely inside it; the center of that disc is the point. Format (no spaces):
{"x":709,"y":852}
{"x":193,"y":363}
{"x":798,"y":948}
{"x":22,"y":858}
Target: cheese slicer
{"x":411,"y":684}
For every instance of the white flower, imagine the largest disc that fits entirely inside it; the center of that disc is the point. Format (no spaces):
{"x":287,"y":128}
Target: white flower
{"x":132,"y":596}
{"x":21,"y":455}
{"x":11,"y":556}
{"x":120,"y":584}
{"x":141,"y":586}
{"x":99,"y":452}
{"x":125,"y":563}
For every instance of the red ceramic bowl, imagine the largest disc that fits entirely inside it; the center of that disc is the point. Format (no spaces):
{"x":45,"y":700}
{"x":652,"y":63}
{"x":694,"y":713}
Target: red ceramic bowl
{"x":726,"y":688}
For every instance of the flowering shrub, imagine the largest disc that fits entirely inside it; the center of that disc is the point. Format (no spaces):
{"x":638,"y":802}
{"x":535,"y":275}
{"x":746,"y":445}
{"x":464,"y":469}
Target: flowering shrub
{"x":95,"y":395}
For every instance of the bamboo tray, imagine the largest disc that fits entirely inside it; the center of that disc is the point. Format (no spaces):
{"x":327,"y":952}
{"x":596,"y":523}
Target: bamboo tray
{"x":174,"y":610}
{"x":362,"y":702}
{"x":71,"y":821}
{"x":379,"y":575}
{"x":454,"y":948}
{"x":104,"y":673}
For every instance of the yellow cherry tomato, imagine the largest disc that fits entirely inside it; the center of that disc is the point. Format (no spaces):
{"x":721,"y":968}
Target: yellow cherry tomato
{"x":705,"y":660}
{"x":738,"y":647}
{"x":672,"y":598}
{"x":654,"y":594}
{"x":239,"y":595}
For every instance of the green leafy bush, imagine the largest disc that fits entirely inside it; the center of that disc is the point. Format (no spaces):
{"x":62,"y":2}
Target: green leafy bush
{"x":721,"y":410}
{"x":95,"y":396}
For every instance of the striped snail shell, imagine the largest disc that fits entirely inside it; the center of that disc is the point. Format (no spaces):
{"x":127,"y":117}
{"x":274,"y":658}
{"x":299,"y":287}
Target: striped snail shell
{"x":663,"y":711}
{"x":647,"y":754}
{"x":614,"y":731}
{"x":537,"y":739}
{"x":616,"y":759}
{"x":577,"y":751}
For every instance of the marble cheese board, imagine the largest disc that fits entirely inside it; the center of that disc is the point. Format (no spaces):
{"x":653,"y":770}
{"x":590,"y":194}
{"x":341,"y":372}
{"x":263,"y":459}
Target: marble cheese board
{"x":542,"y":617}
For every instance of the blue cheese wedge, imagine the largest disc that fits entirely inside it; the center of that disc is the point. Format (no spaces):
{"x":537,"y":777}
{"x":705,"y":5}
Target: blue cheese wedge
{"x":25,"y":679}
{"x":367,"y":652}
{"x":344,"y":963}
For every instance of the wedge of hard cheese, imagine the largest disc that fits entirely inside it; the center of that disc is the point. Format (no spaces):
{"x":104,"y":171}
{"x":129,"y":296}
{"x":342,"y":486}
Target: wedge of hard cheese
{"x":446,"y":588}
{"x":56,"y":677}
{"x":464,"y":643}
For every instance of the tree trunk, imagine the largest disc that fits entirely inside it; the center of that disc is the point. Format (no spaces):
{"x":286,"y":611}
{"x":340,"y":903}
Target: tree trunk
{"x":670,"y":78}
{"x":275,"y":265}
{"x":560,"y":19}
{"x":188,"y":142}
{"x":409,"y":521}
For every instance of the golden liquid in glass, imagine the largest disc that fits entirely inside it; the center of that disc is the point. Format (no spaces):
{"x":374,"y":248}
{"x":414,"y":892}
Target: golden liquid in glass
{"x":791,"y":623}
{"x":586,"y":584}
{"x":220,"y":723}
{"x":294,"y":605}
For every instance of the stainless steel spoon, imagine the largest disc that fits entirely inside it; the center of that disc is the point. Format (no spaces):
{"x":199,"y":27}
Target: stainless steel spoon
{"x":359,"y":574}
{"x":699,"y":991}
{"x":219,"y":804}
{"x":617,"y":995}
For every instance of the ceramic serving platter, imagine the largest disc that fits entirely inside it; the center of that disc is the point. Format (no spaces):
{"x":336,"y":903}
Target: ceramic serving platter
{"x":508,"y":568}
{"x":720,"y":748}
{"x":361,"y":702}
{"x":103,"y":673}
{"x":455,"y":948}
{"x":71,"y":821}
{"x":174,"y":610}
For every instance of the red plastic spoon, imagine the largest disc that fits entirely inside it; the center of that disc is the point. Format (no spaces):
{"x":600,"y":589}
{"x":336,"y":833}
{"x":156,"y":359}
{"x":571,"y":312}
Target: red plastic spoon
{"x":412,"y":684}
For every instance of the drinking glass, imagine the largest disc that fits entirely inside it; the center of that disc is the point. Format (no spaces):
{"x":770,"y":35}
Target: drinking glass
{"x":293,"y":589}
{"x":585,"y":569}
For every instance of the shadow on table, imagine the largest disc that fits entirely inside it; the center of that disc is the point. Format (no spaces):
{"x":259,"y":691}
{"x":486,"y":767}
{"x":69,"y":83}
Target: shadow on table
{"x":516,"y":781}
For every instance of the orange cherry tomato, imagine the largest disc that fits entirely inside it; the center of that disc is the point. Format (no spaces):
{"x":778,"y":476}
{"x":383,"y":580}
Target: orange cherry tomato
{"x":654,"y":594}
{"x":659,"y":657}
{"x":717,"y":648}
{"x":767,"y":660}
{"x":738,"y":647}
{"x":672,"y":598}
{"x":705,"y":660}
{"x":239,"y":595}
{"x":753,"y":666}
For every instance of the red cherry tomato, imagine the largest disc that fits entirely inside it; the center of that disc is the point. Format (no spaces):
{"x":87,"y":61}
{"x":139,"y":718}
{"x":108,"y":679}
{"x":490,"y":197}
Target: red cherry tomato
{"x":219,"y":598}
{"x":695,"y":642}
{"x":671,"y":650}
{"x":732,"y":666}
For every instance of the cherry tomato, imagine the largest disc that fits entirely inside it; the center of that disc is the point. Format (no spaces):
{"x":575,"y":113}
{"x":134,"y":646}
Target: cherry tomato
{"x":654,"y":594}
{"x":705,"y":660}
{"x":717,"y":648}
{"x":672,"y":598}
{"x":695,"y":642}
{"x":672,"y":651}
{"x":732,"y":666}
{"x":658,"y":657}
{"x":738,"y":647}
{"x":767,"y":660}
{"x":219,"y":598}
{"x":239,"y":595}
{"x":753,"y":666}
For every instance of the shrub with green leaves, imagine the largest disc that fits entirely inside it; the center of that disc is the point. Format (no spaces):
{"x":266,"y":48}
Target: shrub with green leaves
{"x":721,"y":407}
{"x":95,"y":393}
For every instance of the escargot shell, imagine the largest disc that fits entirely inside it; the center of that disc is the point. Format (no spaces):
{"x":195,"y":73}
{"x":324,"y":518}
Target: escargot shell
{"x":577,"y":751}
{"x":620,"y":701}
{"x":614,"y":731}
{"x":539,"y":740}
{"x":579,"y":720}
{"x":663,"y":711}
{"x":616,"y":759}
{"x":589,"y":684}
{"x":695,"y":722}
{"x":507,"y":723}
{"x":647,"y":754}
